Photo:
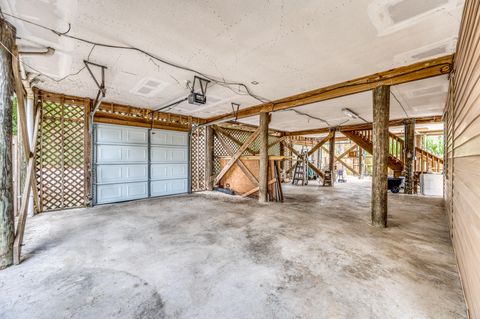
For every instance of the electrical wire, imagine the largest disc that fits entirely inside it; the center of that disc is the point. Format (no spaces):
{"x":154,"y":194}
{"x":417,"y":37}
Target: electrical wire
{"x":136,"y":49}
{"x":395,"y":97}
{"x":310,"y":116}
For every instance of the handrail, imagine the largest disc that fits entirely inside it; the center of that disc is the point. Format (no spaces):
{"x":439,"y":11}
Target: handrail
{"x":424,"y":160}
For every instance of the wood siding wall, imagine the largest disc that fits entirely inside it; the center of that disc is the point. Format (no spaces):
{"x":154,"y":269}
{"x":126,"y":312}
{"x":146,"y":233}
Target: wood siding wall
{"x":462,"y":153}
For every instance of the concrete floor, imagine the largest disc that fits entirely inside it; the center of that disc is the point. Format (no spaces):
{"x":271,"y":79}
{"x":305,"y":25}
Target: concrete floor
{"x":212,"y":256}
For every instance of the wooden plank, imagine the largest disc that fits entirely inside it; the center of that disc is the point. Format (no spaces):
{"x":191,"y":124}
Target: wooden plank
{"x":232,"y":138}
{"x":404,"y":74}
{"x":240,"y":164}
{"x":255,"y":189}
{"x":22,"y":218}
{"x":319,"y":144}
{"x":339,"y":159}
{"x":235,"y":157}
{"x":366,"y":126}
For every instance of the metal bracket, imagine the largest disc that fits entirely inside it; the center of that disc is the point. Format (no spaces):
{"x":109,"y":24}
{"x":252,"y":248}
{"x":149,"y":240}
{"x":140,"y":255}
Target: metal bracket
{"x":235,"y":109}
{"x":101,"y":88}
{"x":202,"y":85}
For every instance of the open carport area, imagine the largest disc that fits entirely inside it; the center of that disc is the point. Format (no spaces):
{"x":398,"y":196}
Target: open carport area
{"x":253,"y":159}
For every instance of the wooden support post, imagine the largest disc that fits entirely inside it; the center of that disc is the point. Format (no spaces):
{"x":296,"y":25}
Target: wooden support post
{"x":263,"y":177}
{"x":409,"y":149}
{"x":360,"y":162}
{"x":209,"y":158}
{"x":381,"y":113}
{"x":331,"y":153}
{"x":7,"y":219}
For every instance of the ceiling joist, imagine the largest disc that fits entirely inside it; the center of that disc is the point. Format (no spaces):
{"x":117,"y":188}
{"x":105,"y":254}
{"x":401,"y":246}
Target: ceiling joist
{"x":366,"y":126}
{"x":404,"y":74}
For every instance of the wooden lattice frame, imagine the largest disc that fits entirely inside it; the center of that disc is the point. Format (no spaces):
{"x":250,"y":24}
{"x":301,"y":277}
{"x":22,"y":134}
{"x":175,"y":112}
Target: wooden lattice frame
{"x":198,"y":159}
{"x":241,"y":136}
{"x":62,"y":157}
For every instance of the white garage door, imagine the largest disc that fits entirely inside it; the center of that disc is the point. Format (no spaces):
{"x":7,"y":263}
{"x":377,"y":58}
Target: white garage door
{"x":168,"y":162}
{"x":129,"y":167}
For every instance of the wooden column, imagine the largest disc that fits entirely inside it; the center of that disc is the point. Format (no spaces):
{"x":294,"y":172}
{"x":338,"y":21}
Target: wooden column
{"x":209,"y":158}
{"x":381,"y":114}
{"x":7,"y":220}
{"x":360,"y":162}
{"x":331,"y":156}
{"x":263,"y":178}
{"x":409,"y":149}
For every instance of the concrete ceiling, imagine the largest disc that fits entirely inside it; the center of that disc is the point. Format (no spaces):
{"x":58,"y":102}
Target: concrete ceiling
{"x":286,"y":46}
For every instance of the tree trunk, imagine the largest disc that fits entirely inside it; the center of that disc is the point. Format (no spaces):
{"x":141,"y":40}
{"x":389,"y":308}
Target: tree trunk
{"x":263,"y":178}
{"x":381,"y":114}
{"x":331,"y":154}
{"x":409,"y":150}
{"x":360,"y":162}
{"x":7,"y":221}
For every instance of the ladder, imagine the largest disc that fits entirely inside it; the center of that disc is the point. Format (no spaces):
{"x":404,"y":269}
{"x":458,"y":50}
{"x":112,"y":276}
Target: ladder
{"x":301,"y":169}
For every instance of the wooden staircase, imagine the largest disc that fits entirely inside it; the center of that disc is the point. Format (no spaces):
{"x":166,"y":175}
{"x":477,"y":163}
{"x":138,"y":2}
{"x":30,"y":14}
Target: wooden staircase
{"x":425,"y":161}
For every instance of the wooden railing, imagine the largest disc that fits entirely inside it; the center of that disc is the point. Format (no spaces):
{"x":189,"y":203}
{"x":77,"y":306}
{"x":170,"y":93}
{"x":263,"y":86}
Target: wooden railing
{"x":424,"y":162}
{"x":427,"y":162}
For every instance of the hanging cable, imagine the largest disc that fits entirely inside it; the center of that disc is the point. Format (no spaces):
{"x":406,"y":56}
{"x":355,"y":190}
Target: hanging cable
{"x":136,"y":49}
{"x":395,"y":97}
{"x":310,"y":116}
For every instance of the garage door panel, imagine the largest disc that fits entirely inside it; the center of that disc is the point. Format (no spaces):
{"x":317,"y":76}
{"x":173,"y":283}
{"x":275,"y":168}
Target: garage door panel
{"x":168,"y":154}
{"x":121,"y":173}
{"x":112,"y":193}
{"x":168,"y":171}
{"x":161,"y":137}
{"x":109,"y":154}
{"x":130,"y":164}
{"x":111,"y":134}
{"x":169,"y":187}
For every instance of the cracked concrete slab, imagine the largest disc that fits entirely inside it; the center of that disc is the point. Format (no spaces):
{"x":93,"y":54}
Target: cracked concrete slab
{"x":208,"y":255}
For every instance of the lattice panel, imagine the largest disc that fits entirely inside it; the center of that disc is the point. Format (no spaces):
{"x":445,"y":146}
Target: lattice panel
{"x":60,"y":159}
{"x":240,"y":136}
{"x":198,"y":157}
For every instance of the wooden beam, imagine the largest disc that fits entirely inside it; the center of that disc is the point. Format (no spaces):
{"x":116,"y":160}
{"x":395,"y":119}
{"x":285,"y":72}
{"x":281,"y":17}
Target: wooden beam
{"x":22,"y":218}
{"x":331,"y":162}
{"x":320,"y":144}
{"x":366,"y":126}
{"x":263,"y":175}
{"x":339,"y":159}
{"x":237,"y":155}
{"x":380,"y":134}
{"x":7,"y":218}
{"x":255,"y":189}
{"x":410,"y":152}
{"x":240,"y":164}
{"x":404,"y":74}
{"x":232,"y":138}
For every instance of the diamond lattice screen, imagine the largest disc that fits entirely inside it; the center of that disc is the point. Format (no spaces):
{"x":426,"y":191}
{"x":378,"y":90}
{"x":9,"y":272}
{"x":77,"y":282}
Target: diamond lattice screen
{"x":61,"y":156}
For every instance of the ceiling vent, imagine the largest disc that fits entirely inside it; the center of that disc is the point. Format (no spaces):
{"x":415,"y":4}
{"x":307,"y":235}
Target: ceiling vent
{"x":148,"y":87}
{"x":433,"y":50}
{"x":408,"y":9}
{"x":389,"y":16}
{"x":437,"y":89}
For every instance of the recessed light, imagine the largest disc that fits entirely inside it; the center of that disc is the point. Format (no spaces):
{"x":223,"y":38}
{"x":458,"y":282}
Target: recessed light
{"x":254,"y":82}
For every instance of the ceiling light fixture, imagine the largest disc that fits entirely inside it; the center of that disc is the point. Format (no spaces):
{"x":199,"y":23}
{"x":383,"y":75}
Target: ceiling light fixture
{"x":350,"y":113}
{"x":254,"y":82}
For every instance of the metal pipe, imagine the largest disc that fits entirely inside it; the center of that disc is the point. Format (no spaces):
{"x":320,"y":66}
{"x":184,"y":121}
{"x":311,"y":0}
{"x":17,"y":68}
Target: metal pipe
{"x":50,"y":51}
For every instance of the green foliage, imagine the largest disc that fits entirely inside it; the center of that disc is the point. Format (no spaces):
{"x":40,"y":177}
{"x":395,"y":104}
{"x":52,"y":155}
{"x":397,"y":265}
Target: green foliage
{"x":435,"y":144}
